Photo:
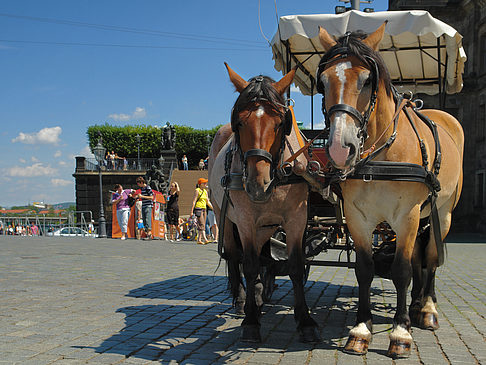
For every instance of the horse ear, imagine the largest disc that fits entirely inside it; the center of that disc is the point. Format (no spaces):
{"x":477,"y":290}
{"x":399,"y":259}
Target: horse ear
{"x":374,"y":39}
{"x":236,"y":79}
{"x":284,"y":83}
{"x":326,"y":40}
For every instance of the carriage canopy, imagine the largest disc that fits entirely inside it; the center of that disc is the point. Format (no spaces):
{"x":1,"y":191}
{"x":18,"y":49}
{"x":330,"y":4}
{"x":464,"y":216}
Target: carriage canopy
{"x":423,"y":54}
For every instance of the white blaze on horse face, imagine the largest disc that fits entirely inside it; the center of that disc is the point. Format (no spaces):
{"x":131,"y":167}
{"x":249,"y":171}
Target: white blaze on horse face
{"x":260,"y":111}
{"x":341,"y":74}
{"x":337,"y":151}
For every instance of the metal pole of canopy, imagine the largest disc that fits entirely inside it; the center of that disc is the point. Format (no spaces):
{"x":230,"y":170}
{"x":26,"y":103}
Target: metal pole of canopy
{"x":312,"y":103}
{"x":438,"y":72}
{"x":288,"y":61}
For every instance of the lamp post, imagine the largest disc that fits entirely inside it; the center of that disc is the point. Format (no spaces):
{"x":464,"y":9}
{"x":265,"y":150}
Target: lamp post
{"x":138,"y":151}
{"x":99,"y":152}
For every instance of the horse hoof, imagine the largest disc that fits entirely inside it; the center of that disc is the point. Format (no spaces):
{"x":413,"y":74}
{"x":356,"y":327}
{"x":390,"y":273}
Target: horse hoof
{"x":399,"y":349}
{"x":430,"y":321}
{"x":310,"y":334}
{"x":251,"y":334}
{"x":240,"y":308}
{"x":356,"y":345}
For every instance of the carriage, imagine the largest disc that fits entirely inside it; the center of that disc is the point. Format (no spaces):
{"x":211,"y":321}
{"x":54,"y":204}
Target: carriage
{"x":322,"y":173}
{"x":423,"y":55}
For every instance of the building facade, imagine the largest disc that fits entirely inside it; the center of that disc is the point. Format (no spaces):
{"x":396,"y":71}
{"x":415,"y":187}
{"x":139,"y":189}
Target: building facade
{"x":468,"y":17}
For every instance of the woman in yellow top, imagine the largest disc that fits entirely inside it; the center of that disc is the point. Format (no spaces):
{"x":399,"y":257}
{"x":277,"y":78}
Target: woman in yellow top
{"x":198,"y":208}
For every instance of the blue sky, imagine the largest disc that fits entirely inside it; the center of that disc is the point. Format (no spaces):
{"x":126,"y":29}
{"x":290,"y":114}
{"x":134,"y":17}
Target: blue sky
{"x":66,"y":65}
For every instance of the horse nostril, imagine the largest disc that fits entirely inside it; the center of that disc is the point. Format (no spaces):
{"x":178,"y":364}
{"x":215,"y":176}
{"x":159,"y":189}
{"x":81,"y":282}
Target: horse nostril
{"x":352,"y":149}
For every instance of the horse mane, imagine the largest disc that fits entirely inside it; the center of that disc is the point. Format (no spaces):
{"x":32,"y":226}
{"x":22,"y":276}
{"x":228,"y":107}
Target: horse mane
{"x":354,"y":43}
{"x":260,"y":88}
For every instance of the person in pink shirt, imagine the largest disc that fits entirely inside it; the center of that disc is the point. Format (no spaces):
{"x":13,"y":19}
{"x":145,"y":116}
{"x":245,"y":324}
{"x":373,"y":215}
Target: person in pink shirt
{"x":122,"y":208}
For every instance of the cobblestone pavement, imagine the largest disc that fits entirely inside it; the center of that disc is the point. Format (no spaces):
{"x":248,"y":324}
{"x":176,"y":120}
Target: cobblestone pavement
{"x":104,"y":301}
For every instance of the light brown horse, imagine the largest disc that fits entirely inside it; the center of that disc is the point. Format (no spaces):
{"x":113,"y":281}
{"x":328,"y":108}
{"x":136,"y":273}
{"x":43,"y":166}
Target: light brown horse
{"x":249,"y":150}
{"x":352,"y":77}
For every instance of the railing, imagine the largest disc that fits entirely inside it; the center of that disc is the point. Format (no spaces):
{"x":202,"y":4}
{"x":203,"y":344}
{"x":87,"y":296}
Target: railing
{"x":45,"y":225}
{"x":128,"y":164}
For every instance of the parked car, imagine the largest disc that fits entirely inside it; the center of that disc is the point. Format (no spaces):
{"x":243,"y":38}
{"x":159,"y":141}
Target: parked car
{"x":71,"y":232}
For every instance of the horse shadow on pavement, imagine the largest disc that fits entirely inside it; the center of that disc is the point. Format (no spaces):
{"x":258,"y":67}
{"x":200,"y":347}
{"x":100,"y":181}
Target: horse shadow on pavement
{"x":193,"y":320}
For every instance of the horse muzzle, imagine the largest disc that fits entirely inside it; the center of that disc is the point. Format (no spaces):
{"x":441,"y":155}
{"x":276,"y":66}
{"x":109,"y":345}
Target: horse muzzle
{"x":259,"y":193}
{"x":342,"y":157}
{"x":343,"y":144}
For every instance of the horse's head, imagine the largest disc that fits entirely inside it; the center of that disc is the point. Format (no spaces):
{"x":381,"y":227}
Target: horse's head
{"x":348,"y":77}
{"x":260,"y":120}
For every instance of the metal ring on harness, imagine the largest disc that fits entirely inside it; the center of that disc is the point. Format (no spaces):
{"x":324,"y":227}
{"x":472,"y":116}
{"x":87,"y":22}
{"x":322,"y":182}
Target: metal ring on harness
{"x":286,"y":169}
{"x":314,"y":167}
{"x":419,"y":104}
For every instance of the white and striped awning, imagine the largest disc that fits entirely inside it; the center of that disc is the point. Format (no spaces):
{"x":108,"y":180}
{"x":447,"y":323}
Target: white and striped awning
{"x":410,"y":47}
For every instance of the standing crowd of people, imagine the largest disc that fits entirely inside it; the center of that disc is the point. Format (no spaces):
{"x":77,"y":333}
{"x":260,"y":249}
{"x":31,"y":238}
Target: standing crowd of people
{"x":143,"y":199}
{"x":18,"y":229}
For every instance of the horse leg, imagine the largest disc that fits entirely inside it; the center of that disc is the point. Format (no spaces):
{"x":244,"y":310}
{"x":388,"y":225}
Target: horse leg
{"x":233,"y":257}
{"x":253,"y":304}
{"x":305,"y":324}
{"x":427,"y":317}
{"x":400,"y":337}
{"x":360,"y":335}
{"x":418,"y":273}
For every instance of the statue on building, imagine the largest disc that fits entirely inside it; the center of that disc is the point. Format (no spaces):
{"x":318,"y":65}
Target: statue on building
{"x":155,"y":179}
{"x":168,"y":137}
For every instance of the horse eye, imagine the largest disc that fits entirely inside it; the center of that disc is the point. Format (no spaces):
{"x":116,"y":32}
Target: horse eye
{"x":368,"y":81}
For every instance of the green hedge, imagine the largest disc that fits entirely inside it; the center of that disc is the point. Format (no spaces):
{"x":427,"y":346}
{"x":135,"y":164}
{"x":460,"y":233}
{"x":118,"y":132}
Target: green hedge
{"x":189,"y":141}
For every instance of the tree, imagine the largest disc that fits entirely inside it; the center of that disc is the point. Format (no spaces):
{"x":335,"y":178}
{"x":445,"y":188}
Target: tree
{"x":189,"y":141}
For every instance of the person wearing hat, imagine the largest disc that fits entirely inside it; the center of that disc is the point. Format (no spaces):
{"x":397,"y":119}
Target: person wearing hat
{"x":199,"y":204}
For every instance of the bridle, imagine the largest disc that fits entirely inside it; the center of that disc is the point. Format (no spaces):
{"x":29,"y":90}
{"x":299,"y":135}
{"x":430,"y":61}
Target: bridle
{"x":337,"y":52}
{"x":286,"y":124}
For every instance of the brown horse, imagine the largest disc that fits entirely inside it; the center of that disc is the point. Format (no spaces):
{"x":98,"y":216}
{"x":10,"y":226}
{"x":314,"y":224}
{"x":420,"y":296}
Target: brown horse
{"x":367,"y":124}
{"x":249,"y":151}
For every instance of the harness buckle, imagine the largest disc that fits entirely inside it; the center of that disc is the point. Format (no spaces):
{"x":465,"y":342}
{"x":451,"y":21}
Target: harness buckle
{"x":368,"y":179}
{"x":286,"y":169}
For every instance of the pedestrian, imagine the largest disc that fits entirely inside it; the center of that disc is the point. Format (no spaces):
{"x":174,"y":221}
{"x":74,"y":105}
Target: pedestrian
{"x":140,"y":228}
{"x":199,"y":204}
{"x":120,"y":198}
{"x":147,"y":196}
{"x":213,"y":226}
{"x":172,"y":210}
{"x":201,"y":164}
{"x":185,"y":166}
{"x":91,"y":227}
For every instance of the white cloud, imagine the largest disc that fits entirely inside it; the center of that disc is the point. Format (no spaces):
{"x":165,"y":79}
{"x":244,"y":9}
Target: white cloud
{"x":21,"y":160}
{"x":295,"y":89}
{"x":37,"y":169}
{"x":62,"y":163}
{"x":319,"y":125}
{"x":44,"y":136}
{"x":34,"y":159}
{"x":61,"y":182}
{"x":138,"y":113}
{"x":57,"y":154}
